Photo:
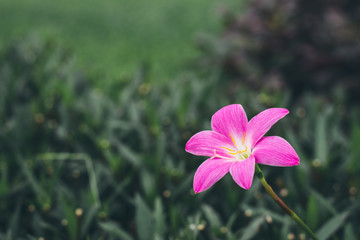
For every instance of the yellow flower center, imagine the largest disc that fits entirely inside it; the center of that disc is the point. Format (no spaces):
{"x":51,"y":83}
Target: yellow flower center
{"x":240,"y":152}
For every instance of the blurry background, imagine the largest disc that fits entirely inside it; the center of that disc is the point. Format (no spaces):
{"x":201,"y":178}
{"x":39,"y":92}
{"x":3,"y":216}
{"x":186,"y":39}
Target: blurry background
{"x":113,"y":38}
{"x":97,"y":101}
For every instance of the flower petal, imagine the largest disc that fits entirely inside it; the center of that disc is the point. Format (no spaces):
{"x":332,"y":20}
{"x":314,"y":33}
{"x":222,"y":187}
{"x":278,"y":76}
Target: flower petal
{"x":262,"y":122}
{"x":209,"y":172}
{"x":243,"y":172}
{"x":230,"y":119}
{"x":275,"y":151}
{"x":204,"y":143}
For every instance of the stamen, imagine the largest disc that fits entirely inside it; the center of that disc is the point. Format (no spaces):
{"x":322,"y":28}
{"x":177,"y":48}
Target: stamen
{"x":216,"y":155}
{"x":233,"y":140}
{"x":230,"y":150}
{"x":239,"y":151}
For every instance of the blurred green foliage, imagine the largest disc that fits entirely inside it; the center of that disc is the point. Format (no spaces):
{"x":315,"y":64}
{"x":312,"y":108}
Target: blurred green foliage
{"x":112,"y":38}
{"x":82,"y":162}
{"x":79,"y":163}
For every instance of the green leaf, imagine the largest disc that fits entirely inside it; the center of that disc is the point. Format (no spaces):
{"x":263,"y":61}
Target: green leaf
{"x":114,"y":230}
{"x":41,"y":194}
{"x":252,"y":228}
{"x":349,"y":233}
{"x":354,"y":153}
{"x":144,"y":220}
{"x":332,"y":226}
{"x":324,"y":202}
{"x":4,"y":185}
{"x":68,"y":210}
{"x":321,"y":148}
{"x":14,"y":222}
{"x":89,"y":217}
{"x":212,"y":216}
{"x":312,"y":215}
{"x":147,"y":182}
{"x":232,"y":219}
{"x":160,"y":225}
{"x":285,"y":229}
{"x":128,"y":154}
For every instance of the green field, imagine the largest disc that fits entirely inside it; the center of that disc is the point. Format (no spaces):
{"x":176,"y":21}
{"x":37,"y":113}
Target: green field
{"x":115,"y":37}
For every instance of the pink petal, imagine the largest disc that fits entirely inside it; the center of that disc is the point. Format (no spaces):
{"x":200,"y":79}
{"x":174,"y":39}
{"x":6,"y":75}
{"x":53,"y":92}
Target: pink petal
{"x":262,"y":122}
{"x":203,"y":144}
{"x":230,"y":119}
{"x":209,"y":172}
{"x":275,"y":151}
{"x":243,"y":172}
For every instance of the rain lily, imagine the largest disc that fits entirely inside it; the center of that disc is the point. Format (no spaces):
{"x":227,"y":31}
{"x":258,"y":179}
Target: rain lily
{"x":235,"y":145}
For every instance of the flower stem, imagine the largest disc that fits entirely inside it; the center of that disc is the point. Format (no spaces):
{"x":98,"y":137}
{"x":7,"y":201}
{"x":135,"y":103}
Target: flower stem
{"x":276,"y":198}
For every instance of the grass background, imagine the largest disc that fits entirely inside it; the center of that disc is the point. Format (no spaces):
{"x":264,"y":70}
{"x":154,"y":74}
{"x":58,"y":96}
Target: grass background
{"x":114,"y":37}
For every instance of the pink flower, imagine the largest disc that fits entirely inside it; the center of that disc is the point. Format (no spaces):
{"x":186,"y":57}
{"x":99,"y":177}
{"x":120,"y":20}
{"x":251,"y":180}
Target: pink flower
{"x":235,"y":145}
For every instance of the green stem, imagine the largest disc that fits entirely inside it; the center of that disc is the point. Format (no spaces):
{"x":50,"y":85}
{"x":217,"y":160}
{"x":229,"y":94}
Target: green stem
{"x":276,"y":198}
